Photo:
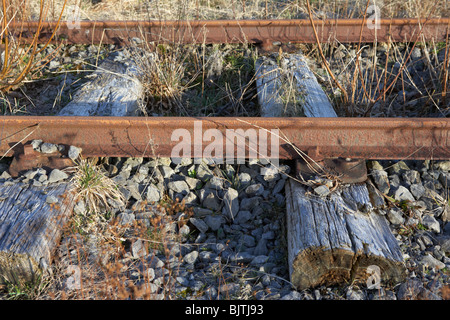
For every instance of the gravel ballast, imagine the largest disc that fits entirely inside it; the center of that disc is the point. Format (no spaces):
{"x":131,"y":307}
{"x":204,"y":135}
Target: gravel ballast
{"x":228,"y":242}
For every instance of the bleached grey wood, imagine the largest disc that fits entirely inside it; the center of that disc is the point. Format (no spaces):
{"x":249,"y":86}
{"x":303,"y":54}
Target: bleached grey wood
{"x":316,"y":102}
{"x":30,"y":228}
{"x":113,"y":90}
{"x":333,"y":240}
{"x":268,"y":85}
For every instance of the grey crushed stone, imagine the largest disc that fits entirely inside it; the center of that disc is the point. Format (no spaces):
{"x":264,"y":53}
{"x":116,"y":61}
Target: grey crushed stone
{"x":250,"y":232}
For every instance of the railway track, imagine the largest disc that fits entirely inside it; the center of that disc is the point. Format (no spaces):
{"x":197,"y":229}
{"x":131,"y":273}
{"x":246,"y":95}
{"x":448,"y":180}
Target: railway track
{"x":320,"y":139}
{"x":354,"y":138}
{"x":362,"y":138}
{"x":260,"y":32}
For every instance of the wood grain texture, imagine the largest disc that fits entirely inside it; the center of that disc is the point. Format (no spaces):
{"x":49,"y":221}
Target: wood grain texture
{"x":30,"y":228}
{"x":268,"y":85}
{"x":114,"y":90}
{"x":316,"y":102}
{"x":333,"y":240}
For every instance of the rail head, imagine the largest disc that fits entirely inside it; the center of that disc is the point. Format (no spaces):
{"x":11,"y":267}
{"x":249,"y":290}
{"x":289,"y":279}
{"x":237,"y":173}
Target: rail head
{"x":360,"y":138}
{"x":262,"y":32}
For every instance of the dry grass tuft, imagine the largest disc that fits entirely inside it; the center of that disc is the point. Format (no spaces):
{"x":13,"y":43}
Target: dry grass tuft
{"x":93,"y":187}
{"x":162,"y":74}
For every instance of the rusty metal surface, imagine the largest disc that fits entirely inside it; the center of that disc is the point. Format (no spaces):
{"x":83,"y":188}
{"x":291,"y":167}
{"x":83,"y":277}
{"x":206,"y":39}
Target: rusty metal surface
{"x":321,"y":138}
{"x":26,"y":158}
{"x":346,"y":170}
{"x":263,"y":32}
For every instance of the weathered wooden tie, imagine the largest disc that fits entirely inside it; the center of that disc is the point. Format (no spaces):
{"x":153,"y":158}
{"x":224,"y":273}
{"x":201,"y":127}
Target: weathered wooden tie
{"x":334,"y":240}
{"x":31,"y":224}
{"x":113,"y":90}
{"x":340,"y":237}
{"x":268,"y":85}
{"x":270,"y":88}
{"x":316,"y":103}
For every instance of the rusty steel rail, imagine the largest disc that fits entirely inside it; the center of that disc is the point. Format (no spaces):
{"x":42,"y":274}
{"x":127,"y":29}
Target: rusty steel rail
{"x":358,"y":138}
{"x":264,"y":32}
